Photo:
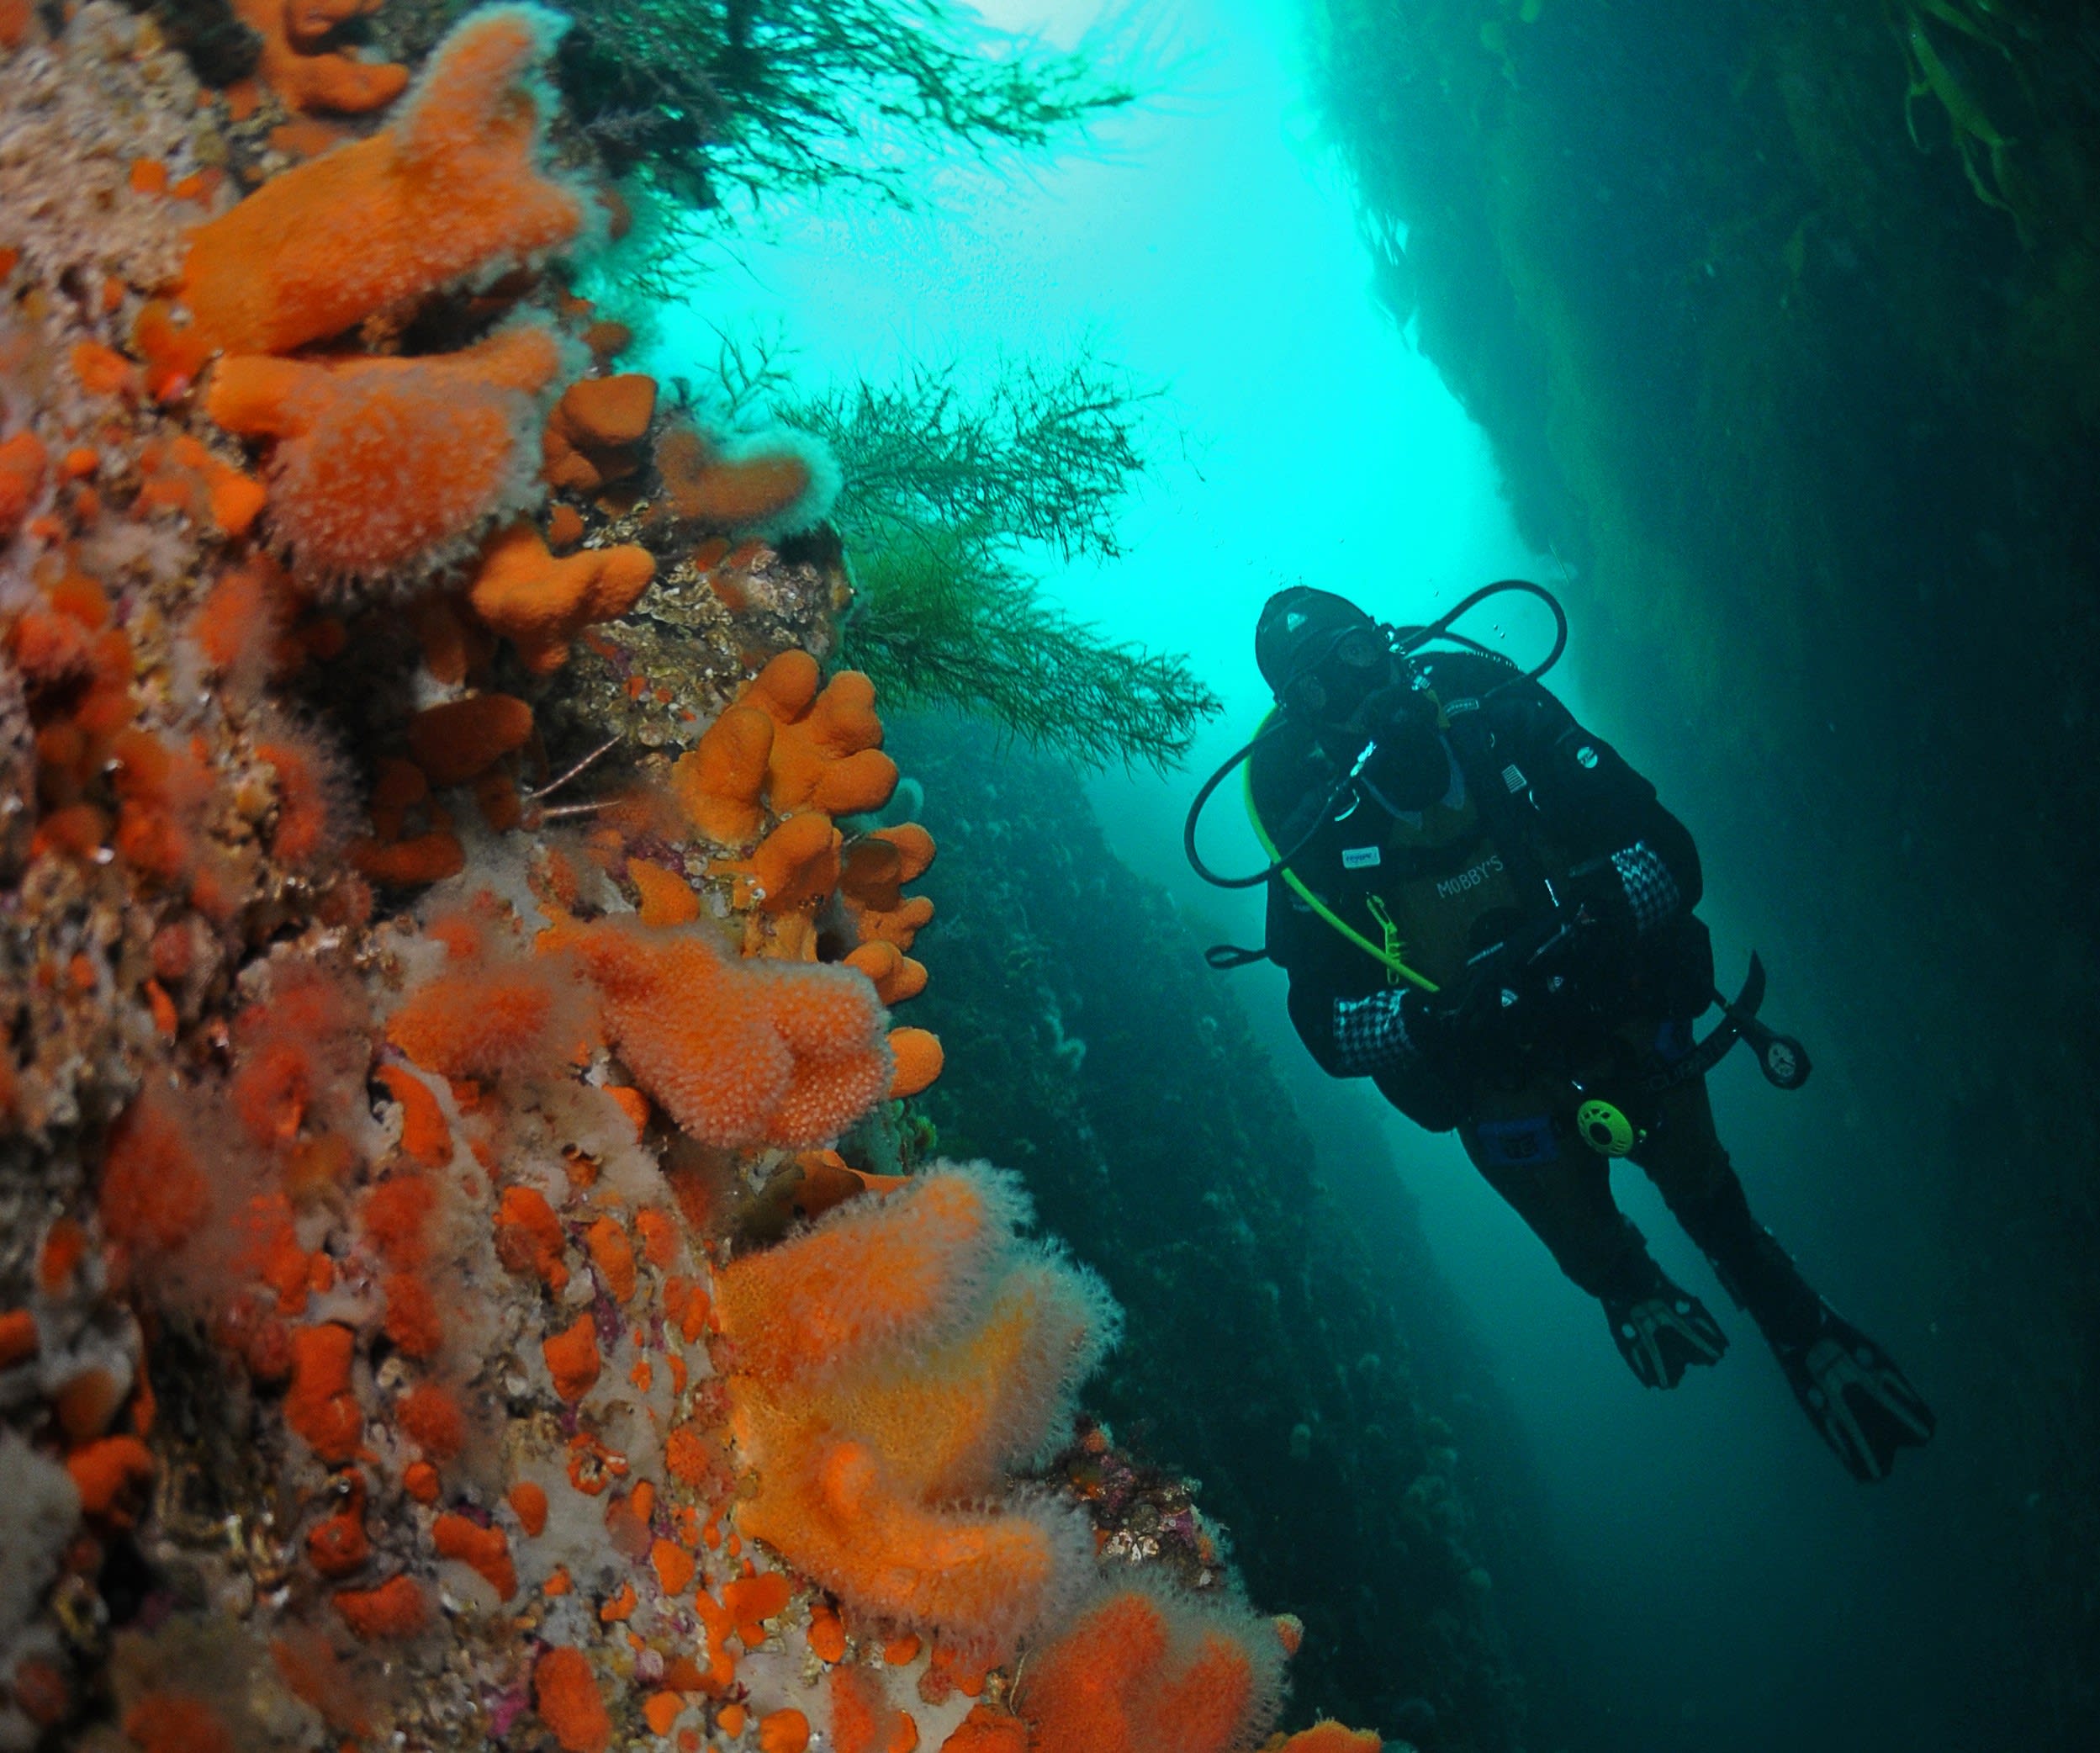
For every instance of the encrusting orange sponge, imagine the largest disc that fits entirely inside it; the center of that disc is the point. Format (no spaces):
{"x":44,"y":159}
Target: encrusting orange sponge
{"x":795,"y":868}
{"x":897,"y":977}
{"x":454,"y":187}
{"x":540,"y":604}
{"x":799,"y":747}
{"x":929,"y":1354}
{"x":882,"y":862}
{"x":919,"y":1059}
{"x":828,"y":756}
{"x":387,"y":464}
{"x":1148,"y":1672}
{"x":453,"y":742}
{"x":587,"y":440}
{"x":718,"y":783}
{"x":737,"y":1053}
{"x":302,"y":66}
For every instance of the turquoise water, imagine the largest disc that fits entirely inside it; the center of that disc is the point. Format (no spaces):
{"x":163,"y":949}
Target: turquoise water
{"x":1207,"y":242}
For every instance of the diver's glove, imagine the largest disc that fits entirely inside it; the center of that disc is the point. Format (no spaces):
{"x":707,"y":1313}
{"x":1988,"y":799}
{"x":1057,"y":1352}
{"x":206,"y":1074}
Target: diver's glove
{"x":1859,"y":1403}
{"x":1395,"y":1030}
{"x":1630,"y":895}
{"x":1664,"y":1332}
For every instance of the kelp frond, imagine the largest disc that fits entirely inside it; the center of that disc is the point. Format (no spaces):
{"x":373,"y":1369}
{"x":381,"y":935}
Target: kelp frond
{"x":951,"y":494}
{"x":779,"y":97}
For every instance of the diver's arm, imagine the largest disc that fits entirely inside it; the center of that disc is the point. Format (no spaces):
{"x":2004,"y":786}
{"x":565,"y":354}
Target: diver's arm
{"x":1397,"y":1032}
{"x":1640,"y":868}
{"x":1347,"y":1036}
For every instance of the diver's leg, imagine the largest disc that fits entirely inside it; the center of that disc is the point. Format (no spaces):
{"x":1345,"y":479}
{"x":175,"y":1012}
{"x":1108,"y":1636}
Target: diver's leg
{"x":1859,"y":1403}
{"x":1684,"y":1157}
{"x":1565,"y":1195}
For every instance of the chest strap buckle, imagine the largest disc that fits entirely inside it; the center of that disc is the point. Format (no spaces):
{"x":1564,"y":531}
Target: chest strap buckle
{"x":1395,"y":950}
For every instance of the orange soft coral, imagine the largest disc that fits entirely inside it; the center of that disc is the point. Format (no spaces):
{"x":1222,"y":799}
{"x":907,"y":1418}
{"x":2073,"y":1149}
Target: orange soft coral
{"x":986,"y":1730}
{"x":1332,"y":1738}
{"x":303,"y":64}
{"x":540,"y":604}
{"x":570,"y":1703}
{"x":490,"y":1016}
{"x":384,"y":463}
{"x":186,"y":477}
{"x":153,"y":1191}
{"x":23,"y":461}
{"x":1147,"y":1672}
{"x":922,"y":1249}
{"x":397,"y":1609}
{"x":863,"y":1720}
{"x":166,"y":1721}
{"x":309,"y":814}
{"x":767,"y":486}
{"x":928,"y":1354}
{"x":300,"y":1056}
{"x":161,"y":787}
{"x":736,"y":1053}
{"x":321,"y":1405}
{"x":482,"y":1549}
{"x":453,"y":188}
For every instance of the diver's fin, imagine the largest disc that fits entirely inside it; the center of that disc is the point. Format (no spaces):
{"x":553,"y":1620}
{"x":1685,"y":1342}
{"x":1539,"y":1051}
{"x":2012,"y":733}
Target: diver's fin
{"x":1664,"y":1333}
{"x":1859,"y":1403}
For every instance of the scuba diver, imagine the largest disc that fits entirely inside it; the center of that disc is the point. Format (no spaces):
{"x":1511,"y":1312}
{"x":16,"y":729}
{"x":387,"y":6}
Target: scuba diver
{"x":1485,"y":910}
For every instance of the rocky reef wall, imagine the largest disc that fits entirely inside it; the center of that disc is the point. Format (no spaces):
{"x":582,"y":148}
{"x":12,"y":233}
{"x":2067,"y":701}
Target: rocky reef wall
{"x":1780,"y":320}
{"x":471,"y":1271}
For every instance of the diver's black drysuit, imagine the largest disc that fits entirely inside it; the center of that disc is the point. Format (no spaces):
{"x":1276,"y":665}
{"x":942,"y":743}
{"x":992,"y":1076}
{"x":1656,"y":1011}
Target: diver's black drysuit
{"x":1540,"y":820}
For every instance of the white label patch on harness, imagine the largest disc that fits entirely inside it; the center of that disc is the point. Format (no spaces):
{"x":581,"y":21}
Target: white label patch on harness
{"x":1358,"y":858}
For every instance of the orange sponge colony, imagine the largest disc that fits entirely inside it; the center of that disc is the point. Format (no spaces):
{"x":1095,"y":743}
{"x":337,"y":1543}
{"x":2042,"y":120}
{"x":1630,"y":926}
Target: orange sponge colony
{"x":454,"y":187}
{"x":797,"y":746}
{"x":827,"y":754}
{"x":302,"y":64}
{"x":737,"y":1053}
{"x":385,"y":463}
{"x":540,"y":603}
{"x":889,"y":1368}
{"x":1146,"y":1672}
{"x":718,"y":782}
